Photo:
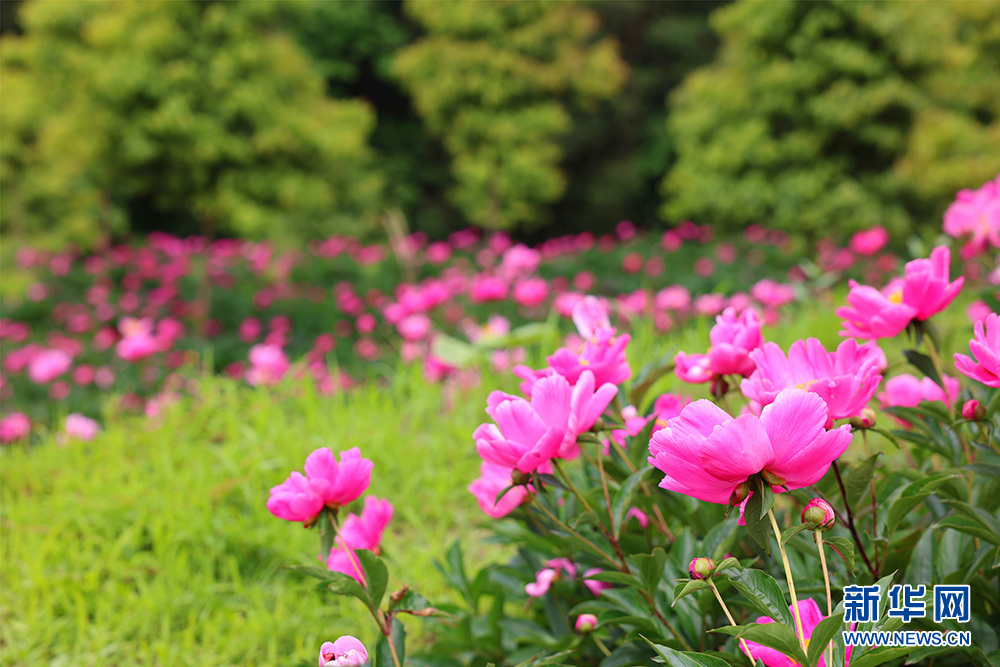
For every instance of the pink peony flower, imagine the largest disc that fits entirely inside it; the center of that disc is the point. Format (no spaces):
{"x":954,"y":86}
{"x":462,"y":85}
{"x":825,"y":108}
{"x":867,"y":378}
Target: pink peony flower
{"x":907,"y":391}
{"x":975,"y":214}
{"x":347,"y":651}
{"x":268,"y":364}
{"x":811,"y":617}
{"x":666,"y":407}
{"x":531,"y":292}
{"x":707,"y":454}
{"x":985,"y":347}
{"x":603,"y":355}
{"x":733,"y":337}
{"x":359,"y":532}
{"x":487,"y":288}
{"x":47,"y":365}
{"x":13,"y":427}
{"x":869,"y":241}
{"x":590,"y":316}
{"x":545,"y":577}
{"x":925,"y":285}
{"x":845,"y":379}
{"x":80,"y":427}
{"x":414,"y":327}
{"x":492,"y":480}
{"x":772,"y":294}
{"x":326,"y":483}
{"x":923,"y":291}
{"x":137,"y":341}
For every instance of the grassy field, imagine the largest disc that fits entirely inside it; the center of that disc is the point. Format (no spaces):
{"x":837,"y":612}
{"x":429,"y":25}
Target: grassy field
{"x":151,"y":545}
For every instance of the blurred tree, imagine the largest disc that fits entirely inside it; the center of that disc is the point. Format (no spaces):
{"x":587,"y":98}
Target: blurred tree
{"x":837,"y":113}
{"x":616,"y":155}
{"x":496,"y":81}
{"x":354,"y":44}
{"x":200,"y":111}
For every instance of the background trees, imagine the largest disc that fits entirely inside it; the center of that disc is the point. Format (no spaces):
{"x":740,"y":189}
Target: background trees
{"x":296,"y":120}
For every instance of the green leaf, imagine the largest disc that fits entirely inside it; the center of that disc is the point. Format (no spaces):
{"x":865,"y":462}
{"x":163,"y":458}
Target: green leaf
{"x":967,"y":526}
{"x":376,"y":575}
{"x":821,"y":636}
{"x":858,"y":479}
{"x":778,"y":636}
{"x":336,"y":582}
{"x":688,"y":587}
{"x":913,"y":494}
{"x":686,"y":658}
{"x":979,"y":516}
{"x":623,"y":499}
{"x":880,"y":656}
{"x":725,"y":564}
{"x":615,"y":577}
{"x":651,"y":568}
{"x":843,"y":548}
{"x":648,"y":375}
{"x":327,"y":534}
{"x":762,"y":591}
{"x":755,"y":511}
{"x":924,"y":364}
{"x":789,"y":533}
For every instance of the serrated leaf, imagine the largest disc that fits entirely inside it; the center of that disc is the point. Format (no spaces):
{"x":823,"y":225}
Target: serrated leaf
{"x":762,"y":591}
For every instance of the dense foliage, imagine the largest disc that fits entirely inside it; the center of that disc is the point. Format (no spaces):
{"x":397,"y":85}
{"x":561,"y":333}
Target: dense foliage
{"x":299,"y":120}
{"x":846,"y":113}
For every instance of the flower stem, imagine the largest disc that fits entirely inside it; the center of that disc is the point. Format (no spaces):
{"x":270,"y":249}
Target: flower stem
{"x":598,"y":550}
{"x":600,"y":645}
{"x":826,"y":581}
{"x":850,"y":522}
{"x":791,"y":584}
{"x":661,"y":521}
{"x":725,"y":609}
{"x":864,"y":439}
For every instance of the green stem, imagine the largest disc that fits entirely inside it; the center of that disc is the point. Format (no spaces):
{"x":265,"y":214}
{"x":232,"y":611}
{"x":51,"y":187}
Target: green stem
{"x":826,"y":581}
{"x":660,"y":519}
{"x":725,"y":609}
{"x":791,"y":584}
{"x":597,"y":550}
{"x":864,"y":439}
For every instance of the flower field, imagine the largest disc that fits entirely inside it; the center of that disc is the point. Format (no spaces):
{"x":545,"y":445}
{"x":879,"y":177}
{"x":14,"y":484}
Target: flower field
{"x":692,"y":448}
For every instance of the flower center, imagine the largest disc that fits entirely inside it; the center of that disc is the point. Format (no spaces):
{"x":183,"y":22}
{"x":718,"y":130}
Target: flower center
{"x":896,"y":297}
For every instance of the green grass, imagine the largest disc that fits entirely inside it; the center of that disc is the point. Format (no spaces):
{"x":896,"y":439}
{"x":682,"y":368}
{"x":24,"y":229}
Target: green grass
{"x":151,"y":545}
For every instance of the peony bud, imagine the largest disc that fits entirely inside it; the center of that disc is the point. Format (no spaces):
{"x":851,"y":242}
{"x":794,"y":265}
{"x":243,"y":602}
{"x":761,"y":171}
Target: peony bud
{"x":701,"y":568}
{"x":518,"y":478}
{"x":973,"y":410}
{"x":864,"y":420}
{"x":585,"y":623}
{"x":739,"y":494}
{"x":819,"y":512}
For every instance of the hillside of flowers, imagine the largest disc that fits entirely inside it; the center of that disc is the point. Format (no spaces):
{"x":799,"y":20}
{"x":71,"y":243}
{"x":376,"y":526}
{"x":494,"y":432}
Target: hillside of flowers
{"x":678,"y":463}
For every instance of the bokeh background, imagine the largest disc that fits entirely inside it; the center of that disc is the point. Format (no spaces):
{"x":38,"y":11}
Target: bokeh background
{"x":297,"y":120}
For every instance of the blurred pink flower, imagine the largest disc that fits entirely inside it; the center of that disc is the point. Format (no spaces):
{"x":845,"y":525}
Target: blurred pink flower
{"x":707,"y":454}
{"x":268,"y":364}
{"x":359,"y":532}
{"x":975,"y":214}
{"x":137,"y":341}
{"x":491,"y":481}
{"x":531,"y":292}
{"x":978,"y":310}
{"x":869,"y":241}
{"x":80,"y":427}
{"x":545,"y":577}
{"x":15,"y":426}
{"x":47,"y":365}
{"x":414,"y":327}
{"x":985,"y":347}
{"x":487,"y":288}
{"x":772,"y":294}
{"x":908,"y":391}
{"x":347,"y":651}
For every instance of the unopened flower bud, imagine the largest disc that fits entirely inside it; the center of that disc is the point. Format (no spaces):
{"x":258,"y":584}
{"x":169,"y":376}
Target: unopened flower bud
{"x":819,"y":512}
{"x":518,"y":478}
{"x":599,"y":425}
{"x":719,"y":387}
{"x":864,"y":420}
{"x":700,"y":568}
{"x":585,"y":623}
{"x":400,"y":594}
{"x":739,"y":494}
{"x":973,"y":410}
